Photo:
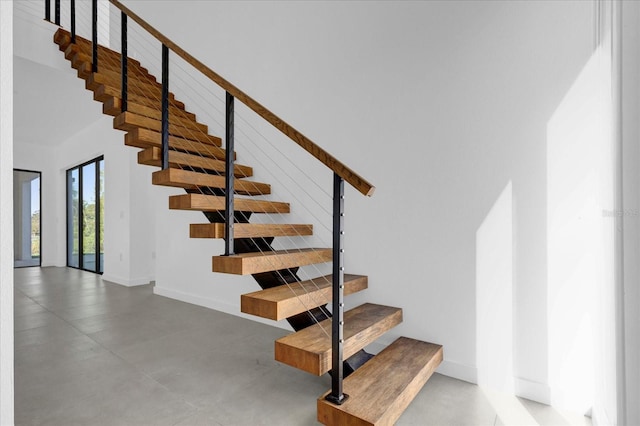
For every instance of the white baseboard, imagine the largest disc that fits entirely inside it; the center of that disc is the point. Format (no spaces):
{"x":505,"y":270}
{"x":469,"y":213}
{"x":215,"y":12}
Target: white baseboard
{"x":215,"y":304}
{"x":458,"y":371}
{"x":535,"y":391}
{"x":127,"y":282}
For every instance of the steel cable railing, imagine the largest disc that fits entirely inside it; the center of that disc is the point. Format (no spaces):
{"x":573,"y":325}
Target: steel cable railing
{"x":108,"y":60}
{"x":195,"y":136}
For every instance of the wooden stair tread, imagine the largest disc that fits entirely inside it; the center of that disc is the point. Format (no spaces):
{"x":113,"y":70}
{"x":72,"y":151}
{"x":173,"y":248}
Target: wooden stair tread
{"x":135,"y":86}
{"x":212,"y":203}
{"x":103,"y":93}
{"x":381,"y":389}
{"x":249,"y":230}
{"x":256,"y":262}
{"x":310,"y":349}
{"x":152,"y":157}
{"x":284,"y":301}
{"x":113,"y":107}
{"x":145,"y":138}
{"x":193,"y":180}
{"x":77,"y":56}
{"x":129,"y":121}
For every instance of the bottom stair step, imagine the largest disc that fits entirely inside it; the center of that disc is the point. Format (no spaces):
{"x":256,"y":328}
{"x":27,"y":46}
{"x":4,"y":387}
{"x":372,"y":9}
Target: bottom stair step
{"x":383,"y":388}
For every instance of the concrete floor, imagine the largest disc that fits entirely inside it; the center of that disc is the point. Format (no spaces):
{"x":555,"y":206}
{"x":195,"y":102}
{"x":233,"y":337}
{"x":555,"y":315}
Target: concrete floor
{"x":88,"y":352}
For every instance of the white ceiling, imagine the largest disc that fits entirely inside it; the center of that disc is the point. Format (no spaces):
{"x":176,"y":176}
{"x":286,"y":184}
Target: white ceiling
{"x":50,"y":105}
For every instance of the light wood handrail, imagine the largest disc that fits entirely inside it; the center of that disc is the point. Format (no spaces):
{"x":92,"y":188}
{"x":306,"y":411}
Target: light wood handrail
{"x":327,"y":159}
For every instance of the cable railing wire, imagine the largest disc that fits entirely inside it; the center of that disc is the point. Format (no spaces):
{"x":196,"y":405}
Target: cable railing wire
{"x":134,"y":83}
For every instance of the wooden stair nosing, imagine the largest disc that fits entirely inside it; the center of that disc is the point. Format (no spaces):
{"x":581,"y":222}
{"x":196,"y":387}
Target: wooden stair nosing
{"x":284,"y":301}
{"x":62,"y":38}
{"x":108,"y":76}
{"x":381,"y":390}
{"x":193,"y":180}
{"x":145,"y":138}
{"x":256,"y":262}
{"x":84,"y":68}
{"x":82,"y":65}
{"x":105,"y":55}
{"x":310,"y":349}
{"x":152,"y":157}
{"x":113,"y":107}
{"x":103,"y":93}
{"x":249,"y":230}
{"x":77,"y":56}
{"x":129,"y":121}
{"x":212,"y":203}
{"x":134,"y":86}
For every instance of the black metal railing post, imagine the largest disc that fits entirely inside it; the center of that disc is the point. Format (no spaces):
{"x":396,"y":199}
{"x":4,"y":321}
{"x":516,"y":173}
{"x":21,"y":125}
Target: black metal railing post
{"x":123,"y":61}
{"x":94,"y":35}
{"x":57,"y":12}
{"x":337,"y":321}
{"x":73,"y":21}
{"x":47,"y":10}
{"x":165,"y":107}
{"x":229,"y":248}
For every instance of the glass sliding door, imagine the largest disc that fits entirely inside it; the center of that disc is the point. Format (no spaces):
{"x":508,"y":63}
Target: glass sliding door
{"x":73,"y":218}
{"x":100,"y":216}
{"x":89,"y":231}
{"x":26,"y":218}
{"x":85,"y":216}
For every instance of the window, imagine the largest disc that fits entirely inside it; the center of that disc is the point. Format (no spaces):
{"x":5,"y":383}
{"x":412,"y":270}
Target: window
{"x":85,"y":216}
{"x":26,"y":218}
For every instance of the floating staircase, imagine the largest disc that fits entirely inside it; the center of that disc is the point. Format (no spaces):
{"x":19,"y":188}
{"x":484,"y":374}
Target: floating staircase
{"x":379,"y":387}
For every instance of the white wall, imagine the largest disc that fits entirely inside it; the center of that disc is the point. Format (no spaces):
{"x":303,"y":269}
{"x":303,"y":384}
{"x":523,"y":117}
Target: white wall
{"x":631,"y":207}
{"x":438,"y":104}
{"x":79,"y":133}
{"x":6,"y":213}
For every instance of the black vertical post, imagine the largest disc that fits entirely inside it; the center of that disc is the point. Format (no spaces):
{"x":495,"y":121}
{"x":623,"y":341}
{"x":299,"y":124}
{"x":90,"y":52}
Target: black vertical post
{"x":337,"y":321}
{"x":229,"y":248}
{"x":123,"y":60}
{"x":47,"y":10}
{"x":94,"y":35}
{"x":73,"y":21}
{"x":57,"y":12}
{"x":165,"y":107}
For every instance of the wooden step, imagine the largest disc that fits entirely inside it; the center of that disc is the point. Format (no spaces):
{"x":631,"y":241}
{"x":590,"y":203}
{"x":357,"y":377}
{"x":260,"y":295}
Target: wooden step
{"x":145,"y":138}
{"x":152,"y":156}
{"x":310,"y":349}
{"x":383,"y":388}
{"x":249,"y":230}
{"x":84,"y":72}
{"x":192,"y":180}
{"x":82,"y":64}
{"x":103,"y":93}
{"x":107,"y":76}
{"x":278,"y":303}
{"x":113,"y":107}
{"x":129,"y":121}
{"x":77,"y":56}
{"x":211,"y":203}
{"x":63,"y":39}
{"x":135,"y":86}
{"x":253,"y":263}
{"x":106,"y":56}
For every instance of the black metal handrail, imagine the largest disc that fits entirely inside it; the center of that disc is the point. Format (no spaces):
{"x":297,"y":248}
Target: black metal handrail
{"x":336,"y":395}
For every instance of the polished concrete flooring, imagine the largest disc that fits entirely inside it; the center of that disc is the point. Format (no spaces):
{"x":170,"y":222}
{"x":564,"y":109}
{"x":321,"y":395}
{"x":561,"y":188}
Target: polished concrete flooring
{"x":88,"y":352}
